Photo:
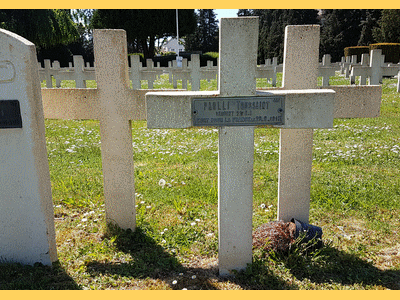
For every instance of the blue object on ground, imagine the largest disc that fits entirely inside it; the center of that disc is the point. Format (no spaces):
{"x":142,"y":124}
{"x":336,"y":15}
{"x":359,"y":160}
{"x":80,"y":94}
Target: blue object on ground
{"x":310,"y":231}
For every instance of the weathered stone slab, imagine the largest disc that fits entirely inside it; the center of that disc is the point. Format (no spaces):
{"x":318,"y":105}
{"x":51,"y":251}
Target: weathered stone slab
{"x":27,"y":233}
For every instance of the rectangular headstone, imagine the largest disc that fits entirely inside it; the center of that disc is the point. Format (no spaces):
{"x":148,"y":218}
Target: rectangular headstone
{"x":27,"y":233}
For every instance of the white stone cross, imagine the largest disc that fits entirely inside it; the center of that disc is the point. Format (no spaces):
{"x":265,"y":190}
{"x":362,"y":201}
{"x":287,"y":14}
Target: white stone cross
{"x":326,"y":70}
{"x":295,"y":154}
{"x":27,"y":233}
{"x":363,"y":70}
{"x":237,"y":77}
{"x":115,"y":105}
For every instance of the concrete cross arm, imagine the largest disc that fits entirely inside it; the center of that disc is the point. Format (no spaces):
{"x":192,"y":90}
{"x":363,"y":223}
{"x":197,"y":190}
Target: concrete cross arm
{"x":172,"y":109}
{"x":312,"y":108}
{"x":363,"y":101}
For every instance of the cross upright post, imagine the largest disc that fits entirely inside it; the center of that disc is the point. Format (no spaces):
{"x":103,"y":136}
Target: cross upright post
{"x":300,"y":71}
{"x":237,"y":73}
{"x":115,"y":127}
{"x":295,"y":160}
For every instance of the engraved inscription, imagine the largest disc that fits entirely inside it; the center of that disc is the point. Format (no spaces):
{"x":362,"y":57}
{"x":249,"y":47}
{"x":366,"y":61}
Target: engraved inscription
{"x":10,"y":114}
{"x":7,"y":71}
{"x":238,"y":111}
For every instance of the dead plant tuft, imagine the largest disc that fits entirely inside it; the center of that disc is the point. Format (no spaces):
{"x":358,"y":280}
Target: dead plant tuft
{"x":275,"y":236}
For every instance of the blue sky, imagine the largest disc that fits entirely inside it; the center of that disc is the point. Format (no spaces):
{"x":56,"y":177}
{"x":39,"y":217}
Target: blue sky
{"x":226,"y":13}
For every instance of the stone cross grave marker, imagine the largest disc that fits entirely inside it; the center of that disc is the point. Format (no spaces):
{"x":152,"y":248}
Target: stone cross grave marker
{"x":115,"y":105}
{"x":114,"y":99}
{"x":27,"y":233}
{"x":295,"y":153}
{"x":236,"y":110}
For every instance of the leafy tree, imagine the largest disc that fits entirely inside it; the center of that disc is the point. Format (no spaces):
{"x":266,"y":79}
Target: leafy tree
{"x":388,"y":30}
{"x":43,"y":27}
{"x":340,"y":29}
{"x":368,"y":25}
{"x":272,"y":28}
{"x":84,"y":45}
{"x":205,"y":38}
{"x":144,"y":26}
{"x":245,"y":12}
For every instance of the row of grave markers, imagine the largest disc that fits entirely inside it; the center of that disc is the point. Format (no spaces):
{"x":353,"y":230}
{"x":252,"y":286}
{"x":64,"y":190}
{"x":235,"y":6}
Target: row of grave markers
{"x":193,"y":73}
{"x":374,"y":69}
{"x":190,"y":71}
{"x":115,"y":105}
{"x":78,"y":72}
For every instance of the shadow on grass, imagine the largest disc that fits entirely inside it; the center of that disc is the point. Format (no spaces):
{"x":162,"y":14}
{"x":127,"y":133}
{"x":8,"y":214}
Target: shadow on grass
{"x":336,"y":267}
{"x":325,"y":268}
{"x":37,"y":277}
{"x":150,"y":260}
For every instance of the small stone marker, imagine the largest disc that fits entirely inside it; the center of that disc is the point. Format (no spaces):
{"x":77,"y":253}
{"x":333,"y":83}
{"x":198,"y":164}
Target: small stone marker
{"x":326,"y":70}
{"x":237,"y":99}
{"x":398,"y":82}
{"x":27,"y":233}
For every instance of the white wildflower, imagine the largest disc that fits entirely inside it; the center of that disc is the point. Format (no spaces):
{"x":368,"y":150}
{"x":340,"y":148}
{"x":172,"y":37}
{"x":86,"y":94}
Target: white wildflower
{"x":162,"y":183}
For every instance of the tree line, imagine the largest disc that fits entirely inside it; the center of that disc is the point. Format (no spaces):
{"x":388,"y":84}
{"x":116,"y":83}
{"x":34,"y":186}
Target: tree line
{"x":340,"y":28}
{"x":63,"y":32}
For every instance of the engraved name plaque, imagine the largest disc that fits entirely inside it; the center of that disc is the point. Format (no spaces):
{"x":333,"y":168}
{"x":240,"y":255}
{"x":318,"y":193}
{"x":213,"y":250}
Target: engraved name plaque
{"x":10,"y":114}
{"x":239,"y":111}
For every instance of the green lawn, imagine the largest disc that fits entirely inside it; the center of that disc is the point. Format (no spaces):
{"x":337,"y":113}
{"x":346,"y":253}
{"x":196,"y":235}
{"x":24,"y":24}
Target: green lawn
{"x":355,"y":198}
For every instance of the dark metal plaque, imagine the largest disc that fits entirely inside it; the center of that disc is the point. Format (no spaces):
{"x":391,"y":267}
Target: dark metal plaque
{"x":238,"y":111}
{"x":10,"y":114}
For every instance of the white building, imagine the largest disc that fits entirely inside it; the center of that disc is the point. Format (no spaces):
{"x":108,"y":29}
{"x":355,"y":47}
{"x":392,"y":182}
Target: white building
{"x":172,"y":46}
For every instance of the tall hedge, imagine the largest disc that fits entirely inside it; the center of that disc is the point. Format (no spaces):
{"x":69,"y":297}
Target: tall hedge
{"x":356,"y":50}
{"x":390,"y":50}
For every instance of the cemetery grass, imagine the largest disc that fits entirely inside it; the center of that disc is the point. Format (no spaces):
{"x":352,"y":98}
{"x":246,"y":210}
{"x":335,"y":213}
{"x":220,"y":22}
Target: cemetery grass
{"x":355,"y":199}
